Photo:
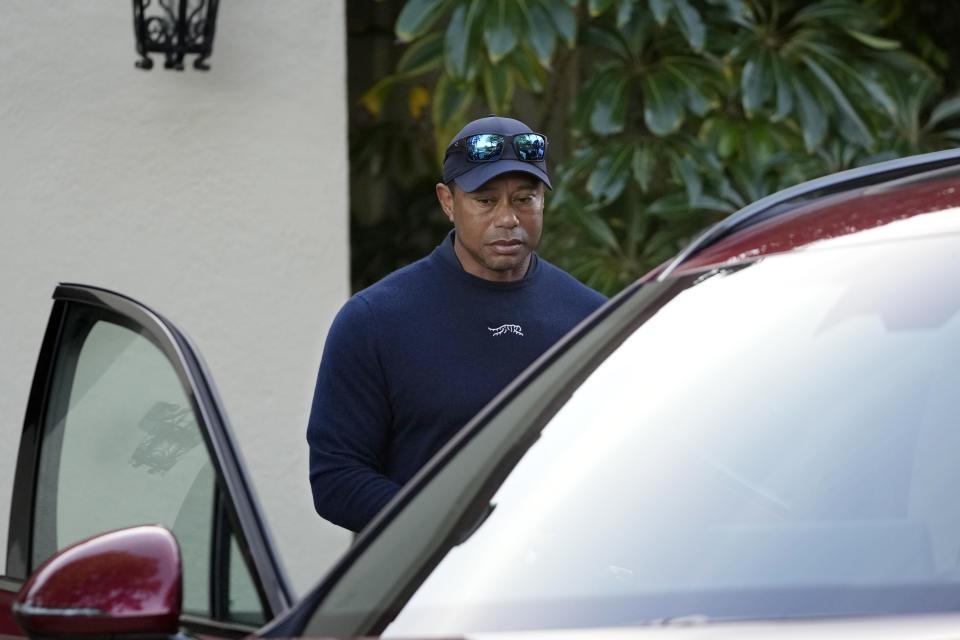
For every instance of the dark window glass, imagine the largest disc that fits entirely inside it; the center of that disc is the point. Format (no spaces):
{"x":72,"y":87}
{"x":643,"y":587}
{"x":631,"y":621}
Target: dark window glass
{"x":121,"y":447}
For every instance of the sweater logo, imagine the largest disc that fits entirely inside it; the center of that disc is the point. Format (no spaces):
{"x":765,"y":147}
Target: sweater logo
{"x":505,"y":328}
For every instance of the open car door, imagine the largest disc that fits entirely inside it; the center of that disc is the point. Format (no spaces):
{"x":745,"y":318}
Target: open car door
{"x":124,"y":427}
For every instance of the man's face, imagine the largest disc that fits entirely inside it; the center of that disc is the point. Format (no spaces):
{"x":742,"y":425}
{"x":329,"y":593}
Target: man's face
{"x":497,"y":226}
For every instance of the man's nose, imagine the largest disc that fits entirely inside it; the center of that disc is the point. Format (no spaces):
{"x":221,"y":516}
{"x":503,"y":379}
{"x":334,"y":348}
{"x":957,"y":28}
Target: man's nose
{"x":506,"y":216}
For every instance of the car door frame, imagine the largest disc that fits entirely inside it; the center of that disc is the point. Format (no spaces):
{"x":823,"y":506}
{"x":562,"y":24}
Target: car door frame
{"x":236,"y":505}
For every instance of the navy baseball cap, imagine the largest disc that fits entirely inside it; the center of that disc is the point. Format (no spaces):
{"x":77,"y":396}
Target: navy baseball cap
{"x":491,"y":146}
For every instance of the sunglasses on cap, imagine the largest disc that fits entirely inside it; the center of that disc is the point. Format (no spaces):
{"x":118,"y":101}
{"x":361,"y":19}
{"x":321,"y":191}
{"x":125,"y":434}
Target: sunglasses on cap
{"x":488,"y":147}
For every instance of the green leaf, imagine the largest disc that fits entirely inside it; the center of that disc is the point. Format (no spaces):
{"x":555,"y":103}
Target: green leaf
{"x":643,"y":166}
{"x":707,"y":160}
{"x":423,"y":55}
{"x":687,"y":169}
{"x":749,"y":181}
{"x":945,"y":110}
{"x":731,"y":195}
{"x":605,"y":39}
{"x":598,"y":7}
{"x":624,"y":12}
{"x":669,"y":205}
{"x":583,"y":159}
{"x":784,"y":93}
{"x":540,"y":32}
{"x":593,"y":87}
{"x":691,"y":24}
{"x":689,"y":72}
{"x":874,"y":42}
{"x":877,"y":93}
{"x":417,"y":16}
{"x":458,"y":43}
{"x":636,"y":225}
{"x":840,"y":12}
{"x":450,"y":100}
{"x":660,"y":10}
{"x":759,"y":143}
{"x":598,"y":228}
{"x":610,"y":176}
{"x":610,"y":105}
{"x":663,"y":242}
{"x":498,"y":31}
{"x":563,"y":19}
{"x":812,"y":120}
{"x":696,"y":103}
{"x":638,"y":32}
{"x":743,"y":46}
{"x":498,"y":85}
{"x":841,"y":67}
{"x":756,"y":81}
{"x":852,"y":125}
{"x":722,"y":136}
{"x":527,"y":69}
{"x":738,"y":12}
{"x":728,"y":140}
{"x":715,"y":204}
{"x":662,"y":104}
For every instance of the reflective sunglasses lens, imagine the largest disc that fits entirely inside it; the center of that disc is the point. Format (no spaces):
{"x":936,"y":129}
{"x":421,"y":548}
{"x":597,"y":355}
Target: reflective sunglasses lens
{"x":530,"y":146}
{"x":483,"y":147}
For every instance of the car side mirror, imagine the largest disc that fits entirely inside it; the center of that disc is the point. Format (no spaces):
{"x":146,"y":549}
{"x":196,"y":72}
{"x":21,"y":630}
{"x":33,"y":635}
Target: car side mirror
{"x":123,"y":582}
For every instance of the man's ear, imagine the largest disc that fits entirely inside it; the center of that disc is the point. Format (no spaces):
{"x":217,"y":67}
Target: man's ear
{"x":445,"y":196}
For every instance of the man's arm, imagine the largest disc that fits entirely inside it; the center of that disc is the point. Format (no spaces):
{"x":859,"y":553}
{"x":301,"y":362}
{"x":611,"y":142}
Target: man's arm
{"x":349,"y":427}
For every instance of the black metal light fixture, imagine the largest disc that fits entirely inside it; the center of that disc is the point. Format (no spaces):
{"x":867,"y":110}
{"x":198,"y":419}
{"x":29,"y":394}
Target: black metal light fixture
{"x":175,"y":28}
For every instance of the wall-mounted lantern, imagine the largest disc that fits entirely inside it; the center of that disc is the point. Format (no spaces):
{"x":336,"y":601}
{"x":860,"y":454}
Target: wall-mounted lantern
{"x":174,"y":28}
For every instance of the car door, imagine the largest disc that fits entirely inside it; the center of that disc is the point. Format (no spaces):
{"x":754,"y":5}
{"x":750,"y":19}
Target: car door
{"x":123,"y":427}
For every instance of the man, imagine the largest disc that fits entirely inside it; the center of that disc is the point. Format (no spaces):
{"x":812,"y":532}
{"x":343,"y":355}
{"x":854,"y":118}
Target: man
{"x":409,"y":360}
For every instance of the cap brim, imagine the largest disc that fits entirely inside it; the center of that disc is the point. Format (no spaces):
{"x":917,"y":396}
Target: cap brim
{"x":483,"y":173}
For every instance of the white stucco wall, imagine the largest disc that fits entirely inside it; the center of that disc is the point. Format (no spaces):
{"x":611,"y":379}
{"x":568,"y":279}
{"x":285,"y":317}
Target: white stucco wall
{"x":218,"y":198}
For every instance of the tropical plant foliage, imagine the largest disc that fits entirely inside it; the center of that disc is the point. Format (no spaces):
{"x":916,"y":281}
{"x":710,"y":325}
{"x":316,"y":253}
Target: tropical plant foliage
{"x":663,"y":115}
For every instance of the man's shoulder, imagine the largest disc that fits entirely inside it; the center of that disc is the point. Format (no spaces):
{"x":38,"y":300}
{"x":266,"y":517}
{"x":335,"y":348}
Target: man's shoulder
{"x":399,"y":287}
{"x":383,"y":302}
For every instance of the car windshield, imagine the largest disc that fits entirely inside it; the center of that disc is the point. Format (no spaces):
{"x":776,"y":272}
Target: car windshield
{"x":767,"y":441}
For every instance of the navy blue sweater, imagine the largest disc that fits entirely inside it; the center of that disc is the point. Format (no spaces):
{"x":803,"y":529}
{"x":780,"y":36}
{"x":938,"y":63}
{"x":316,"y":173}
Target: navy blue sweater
{"x":409,"y":360}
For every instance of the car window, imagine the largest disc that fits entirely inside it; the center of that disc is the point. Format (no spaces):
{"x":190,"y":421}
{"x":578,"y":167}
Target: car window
{"x":243,"y":602}
{"x":121,"y":446}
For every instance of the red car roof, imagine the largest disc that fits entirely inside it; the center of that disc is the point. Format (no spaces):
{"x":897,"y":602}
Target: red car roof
{"x":845,"y":213}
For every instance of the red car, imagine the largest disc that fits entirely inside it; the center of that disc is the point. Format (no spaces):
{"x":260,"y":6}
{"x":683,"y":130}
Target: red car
{"x":758,"y":439}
